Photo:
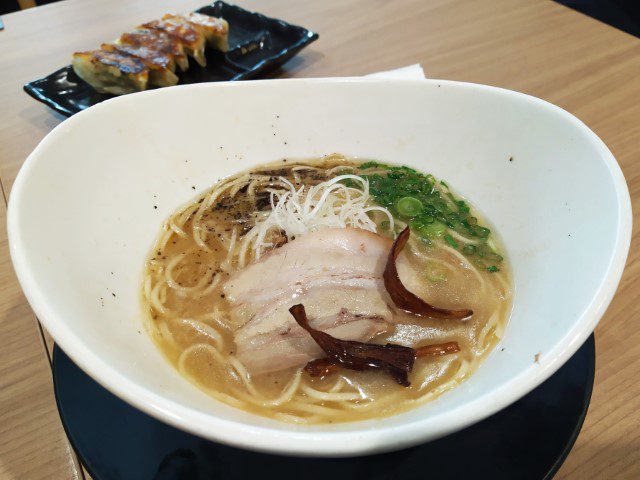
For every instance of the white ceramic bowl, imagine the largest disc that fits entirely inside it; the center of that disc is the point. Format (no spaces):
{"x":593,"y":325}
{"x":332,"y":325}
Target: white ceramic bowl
{"x":82,"y":218}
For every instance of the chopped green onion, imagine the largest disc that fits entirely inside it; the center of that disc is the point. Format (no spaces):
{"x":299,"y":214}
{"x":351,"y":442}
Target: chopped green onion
{"x":493,"y":269}
{"x":478,"y":263}
{"x":440,"y":206}
{"x":431,"y":208}
{"x":429,"y":230}
{"x":493,"y":256}
{"x":372,"y":164}
{"x":485,"y":251}
{"x":449,"y":239}
{"x":469,"y":249}
{"x":481,"y":232}
{"x":409,"y":206}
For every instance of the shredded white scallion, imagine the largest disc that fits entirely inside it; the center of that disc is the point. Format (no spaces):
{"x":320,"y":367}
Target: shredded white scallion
{"x":330,"y":204}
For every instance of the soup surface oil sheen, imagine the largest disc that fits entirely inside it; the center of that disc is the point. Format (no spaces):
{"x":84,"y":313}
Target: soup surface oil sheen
{"x":458,"y":261}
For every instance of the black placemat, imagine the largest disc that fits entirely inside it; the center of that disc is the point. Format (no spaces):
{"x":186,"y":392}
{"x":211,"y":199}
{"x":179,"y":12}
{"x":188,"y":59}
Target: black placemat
{"x":257,"y":44}
{"x":528,"y":440}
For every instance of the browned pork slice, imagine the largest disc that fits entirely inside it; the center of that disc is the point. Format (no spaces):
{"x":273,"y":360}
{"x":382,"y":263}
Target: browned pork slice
{"x":335,"y":273}
{"x":273,"y":340}
{"x":332,"y":256}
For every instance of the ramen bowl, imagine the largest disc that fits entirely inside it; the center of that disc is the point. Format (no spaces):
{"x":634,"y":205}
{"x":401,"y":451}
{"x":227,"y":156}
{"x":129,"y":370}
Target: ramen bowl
{"x":88,"y":203}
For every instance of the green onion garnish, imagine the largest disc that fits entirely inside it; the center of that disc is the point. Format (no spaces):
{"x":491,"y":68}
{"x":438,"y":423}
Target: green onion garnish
{"x":430,"y":209}
{"x":409,"y":207}
{"x":449,"y":239}
{"x":429,"y":230}
{"x":469,"y":249}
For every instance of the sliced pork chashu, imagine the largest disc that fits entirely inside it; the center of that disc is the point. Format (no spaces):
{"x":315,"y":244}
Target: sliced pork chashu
{"x":335,"y":273}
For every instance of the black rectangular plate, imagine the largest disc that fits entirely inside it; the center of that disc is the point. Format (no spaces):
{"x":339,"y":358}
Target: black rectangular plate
{"x":256,"y":44}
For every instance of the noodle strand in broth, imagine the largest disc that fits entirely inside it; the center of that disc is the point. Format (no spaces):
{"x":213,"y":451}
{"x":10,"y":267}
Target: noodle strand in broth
{"x":244,"y":218}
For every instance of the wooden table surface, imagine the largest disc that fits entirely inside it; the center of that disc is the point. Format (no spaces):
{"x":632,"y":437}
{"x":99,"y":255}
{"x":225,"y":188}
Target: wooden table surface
{"x":532,"y":46}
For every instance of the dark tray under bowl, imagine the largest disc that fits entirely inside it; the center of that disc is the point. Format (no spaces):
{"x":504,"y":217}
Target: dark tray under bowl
{"x":256,"y":44}
{"x":528,"y":440}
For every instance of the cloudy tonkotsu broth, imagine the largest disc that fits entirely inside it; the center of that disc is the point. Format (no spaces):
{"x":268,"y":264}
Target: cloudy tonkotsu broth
{"x":219,"y":282}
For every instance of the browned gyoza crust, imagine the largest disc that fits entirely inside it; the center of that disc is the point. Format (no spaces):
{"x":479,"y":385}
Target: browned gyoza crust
{"x":111,"y":72}
{"x":149,"y":55}
{"x":156,"y":41}
{"x":160,"y":65}
{"x":215,"y":30}
{"x":179,"y":27}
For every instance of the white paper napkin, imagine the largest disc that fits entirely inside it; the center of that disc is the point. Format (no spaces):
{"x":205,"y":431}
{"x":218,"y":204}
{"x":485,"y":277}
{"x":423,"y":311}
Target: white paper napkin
{"x":411,"y":72}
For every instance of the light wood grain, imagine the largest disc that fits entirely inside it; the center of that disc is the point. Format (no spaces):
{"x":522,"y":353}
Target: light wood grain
{"x":32,"y":442}
{"x":537,"y":47}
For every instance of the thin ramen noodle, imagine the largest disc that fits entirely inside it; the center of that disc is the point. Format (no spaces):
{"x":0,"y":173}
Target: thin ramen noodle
{"x":199,"y":321}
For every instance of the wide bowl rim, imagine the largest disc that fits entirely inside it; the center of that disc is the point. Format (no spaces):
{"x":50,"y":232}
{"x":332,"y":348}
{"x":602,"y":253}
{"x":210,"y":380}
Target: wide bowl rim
{"x":311,"y":441}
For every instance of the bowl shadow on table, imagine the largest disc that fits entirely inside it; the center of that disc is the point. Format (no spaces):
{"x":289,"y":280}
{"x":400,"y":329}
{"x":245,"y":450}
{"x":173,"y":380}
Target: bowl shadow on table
{"x":41,"y":117}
